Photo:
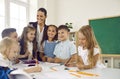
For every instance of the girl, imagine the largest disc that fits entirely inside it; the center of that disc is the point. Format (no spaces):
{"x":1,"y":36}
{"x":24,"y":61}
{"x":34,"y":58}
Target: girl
{"x":88,"y":49}
{"x":28,"y":47}
{"x":8,"y":53}
{"x":49,"y":43}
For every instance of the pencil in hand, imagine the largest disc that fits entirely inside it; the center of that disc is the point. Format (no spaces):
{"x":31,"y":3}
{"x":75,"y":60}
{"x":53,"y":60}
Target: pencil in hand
{"x":66,"y":63}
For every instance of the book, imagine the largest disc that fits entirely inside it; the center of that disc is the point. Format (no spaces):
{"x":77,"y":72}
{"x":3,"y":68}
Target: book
{"x":19,"y":74}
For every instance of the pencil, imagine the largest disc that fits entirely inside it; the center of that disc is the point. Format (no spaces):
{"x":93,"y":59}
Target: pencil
{"x":75,"y":75}
{"x":84,"y":73}
{"x":53,"y":69}
{"x":88,"y":74}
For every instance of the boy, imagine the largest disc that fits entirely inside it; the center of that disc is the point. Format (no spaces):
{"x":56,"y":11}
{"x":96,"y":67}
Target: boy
{"x":10,"y":32}
{"x":8,"y":52}
{"x":64,"y":49}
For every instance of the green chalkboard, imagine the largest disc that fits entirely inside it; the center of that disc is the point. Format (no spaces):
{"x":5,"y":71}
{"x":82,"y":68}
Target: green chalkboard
{"x":107,"y":32}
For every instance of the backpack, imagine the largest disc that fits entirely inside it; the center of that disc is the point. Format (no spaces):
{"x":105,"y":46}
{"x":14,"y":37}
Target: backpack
{"x":4,"y":72}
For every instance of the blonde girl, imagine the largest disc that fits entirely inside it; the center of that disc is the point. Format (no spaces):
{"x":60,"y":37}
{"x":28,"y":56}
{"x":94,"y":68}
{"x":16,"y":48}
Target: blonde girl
{"x":88,"y":49}
{"x":9,"y":49}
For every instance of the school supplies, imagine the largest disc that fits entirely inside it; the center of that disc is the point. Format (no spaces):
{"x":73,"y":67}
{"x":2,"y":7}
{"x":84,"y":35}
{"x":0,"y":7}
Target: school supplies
{"x":75,"y":75}
{"x":19,"y":74}
{"x":53,"y":69}
{"x":31,"y":65}
{"x":84,"y":73}
{"x":67,"y":61}
{"x":29,"y":61}
{"x":87,"y":74}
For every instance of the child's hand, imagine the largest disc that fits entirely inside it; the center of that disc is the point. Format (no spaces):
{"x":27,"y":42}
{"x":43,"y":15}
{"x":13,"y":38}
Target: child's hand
{"x":44,"y":58}
{"x":26,"y":54}
{"x":36,"y":68}
{"x":49,"y":59}
{"x":70,"y":65}
{"x":57,"y":60}
{"x":30,"y":56}
{"x":80,"y":66}
{"x":17,"y":61}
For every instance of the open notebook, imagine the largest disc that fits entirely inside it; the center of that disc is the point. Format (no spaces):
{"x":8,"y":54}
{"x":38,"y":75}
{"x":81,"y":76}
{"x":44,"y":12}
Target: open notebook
{"x":19,"y":74}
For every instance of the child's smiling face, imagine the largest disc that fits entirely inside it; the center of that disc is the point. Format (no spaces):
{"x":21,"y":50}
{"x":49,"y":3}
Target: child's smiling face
{"x":51,"y":32}
{"x":31,"y":35}
{"x":63,"y":35}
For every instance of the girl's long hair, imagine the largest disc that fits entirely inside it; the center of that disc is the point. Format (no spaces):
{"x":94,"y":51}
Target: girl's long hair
{"x":5,"y":45}
{"x":25,"y":39}
{"x":91,"y":42}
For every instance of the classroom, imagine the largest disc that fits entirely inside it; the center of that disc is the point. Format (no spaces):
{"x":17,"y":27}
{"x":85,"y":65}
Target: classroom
{"x":102,"y":15}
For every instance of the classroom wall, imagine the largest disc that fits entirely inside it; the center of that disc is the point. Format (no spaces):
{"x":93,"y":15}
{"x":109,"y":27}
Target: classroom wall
{"x":79,"y":11}
{"x":49,"y":5}
{"x":32,"y":10}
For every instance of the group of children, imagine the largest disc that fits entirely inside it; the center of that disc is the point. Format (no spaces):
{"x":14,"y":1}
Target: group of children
{"x":55,"y":47}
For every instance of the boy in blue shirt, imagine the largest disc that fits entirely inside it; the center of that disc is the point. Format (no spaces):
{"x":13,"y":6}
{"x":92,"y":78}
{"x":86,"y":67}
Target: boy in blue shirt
{"x":65,"y":48}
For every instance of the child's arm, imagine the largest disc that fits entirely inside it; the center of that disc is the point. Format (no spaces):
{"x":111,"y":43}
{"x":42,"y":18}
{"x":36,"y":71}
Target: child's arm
{"x":43,"y":57}
{"x":58,"y":60}
{"x":81,"y":65}
{"x":49,"y":59}
{"x":25,"y":55}
{"x":36,"y":68}
{"x":71,"y":62}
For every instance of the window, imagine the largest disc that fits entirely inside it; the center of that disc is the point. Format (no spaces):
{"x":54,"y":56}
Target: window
{"x":18,"y":18}
{"x":24,"y":0}
{"x":15,"y":14}
{"x":2,"y":16}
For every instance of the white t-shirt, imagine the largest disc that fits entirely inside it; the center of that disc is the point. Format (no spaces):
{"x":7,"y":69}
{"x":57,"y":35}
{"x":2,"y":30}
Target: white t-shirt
{"x":39,"y":36}
{"x":4,"y":62}
{"x":30,"y":49}
{"x":84,"y":55}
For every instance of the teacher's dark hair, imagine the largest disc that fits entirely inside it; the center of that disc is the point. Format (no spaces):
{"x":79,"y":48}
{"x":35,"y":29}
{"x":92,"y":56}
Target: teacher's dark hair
{"x":43,"y":10}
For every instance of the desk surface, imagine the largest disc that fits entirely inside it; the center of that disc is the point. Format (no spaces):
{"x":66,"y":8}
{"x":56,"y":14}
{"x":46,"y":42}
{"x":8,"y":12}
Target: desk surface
{"x":57,"y":71}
